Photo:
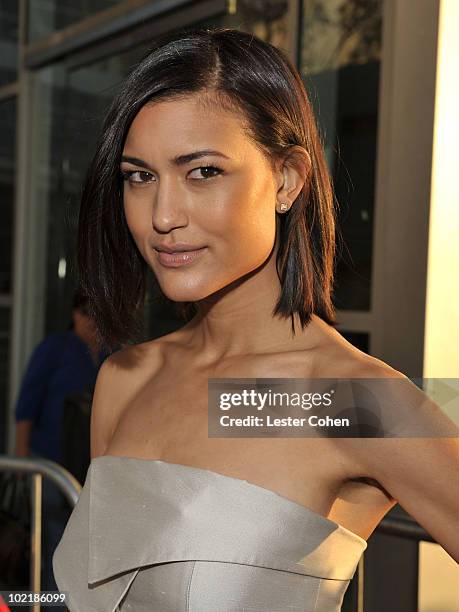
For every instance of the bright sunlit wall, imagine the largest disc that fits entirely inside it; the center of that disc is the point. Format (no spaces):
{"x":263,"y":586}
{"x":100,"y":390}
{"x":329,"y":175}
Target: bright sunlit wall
{"x":438,"y":572}
{"x":441,"y":347}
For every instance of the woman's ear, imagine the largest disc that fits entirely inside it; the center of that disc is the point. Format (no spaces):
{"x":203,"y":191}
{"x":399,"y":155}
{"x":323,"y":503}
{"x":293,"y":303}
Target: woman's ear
{"x":294,"y":172}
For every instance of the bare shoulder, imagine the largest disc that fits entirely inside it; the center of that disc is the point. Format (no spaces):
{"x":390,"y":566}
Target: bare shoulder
{"x":341,"y":360}
{"x":406,"y":410}
{"x":336,"y":357}
{"x":362,"y":365}
{"x":120,"y":377}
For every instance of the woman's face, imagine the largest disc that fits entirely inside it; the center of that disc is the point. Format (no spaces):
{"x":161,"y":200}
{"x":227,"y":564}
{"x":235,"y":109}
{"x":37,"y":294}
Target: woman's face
{"x":197,"y":179}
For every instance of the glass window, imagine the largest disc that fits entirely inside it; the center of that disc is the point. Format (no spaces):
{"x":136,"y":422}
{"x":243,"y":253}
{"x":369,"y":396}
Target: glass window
{"x":8,"y":41}
{"x":47,"y":16}
{"x":340,"y":62}
{"x":71,"y":105}
{"x":270,"y":20}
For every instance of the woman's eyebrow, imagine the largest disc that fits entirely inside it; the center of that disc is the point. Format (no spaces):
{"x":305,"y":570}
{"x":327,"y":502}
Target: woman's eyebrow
{"x":178,"y":160}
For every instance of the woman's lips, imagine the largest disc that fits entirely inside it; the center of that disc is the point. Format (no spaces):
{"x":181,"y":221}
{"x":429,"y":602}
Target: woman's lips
{"x":179,"y":258}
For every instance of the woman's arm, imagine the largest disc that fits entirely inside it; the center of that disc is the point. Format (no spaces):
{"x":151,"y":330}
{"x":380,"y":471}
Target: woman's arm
{"x":421,"y":473}
{"x":22,"y":447}
{"x":103,"y":407}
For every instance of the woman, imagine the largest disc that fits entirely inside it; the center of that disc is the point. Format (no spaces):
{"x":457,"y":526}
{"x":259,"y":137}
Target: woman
{"x":210,"y":171}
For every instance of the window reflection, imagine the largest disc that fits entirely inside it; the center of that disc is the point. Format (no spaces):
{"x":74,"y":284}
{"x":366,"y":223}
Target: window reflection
{"x":72,"y":106}
{"x":267,"y":19}
{"x":340,"y":61}
{"x":47,"y":16}
{"x":9,"y":38}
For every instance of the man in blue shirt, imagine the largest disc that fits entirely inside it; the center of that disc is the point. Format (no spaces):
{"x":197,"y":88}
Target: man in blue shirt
{"x":62,"y":364}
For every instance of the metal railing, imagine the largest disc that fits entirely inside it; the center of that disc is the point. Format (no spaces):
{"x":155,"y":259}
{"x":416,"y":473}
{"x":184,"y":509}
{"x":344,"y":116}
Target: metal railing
{"x":63,"y":480}
{"x":404,"y":528}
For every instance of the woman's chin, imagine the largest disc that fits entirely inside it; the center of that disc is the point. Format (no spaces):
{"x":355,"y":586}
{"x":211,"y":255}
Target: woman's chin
{"x":180,"y":294}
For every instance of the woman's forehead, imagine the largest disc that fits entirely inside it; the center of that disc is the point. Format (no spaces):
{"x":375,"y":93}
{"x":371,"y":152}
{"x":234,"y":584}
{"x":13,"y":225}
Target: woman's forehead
{"x":190,"y":110}
{"x":182,"y":125}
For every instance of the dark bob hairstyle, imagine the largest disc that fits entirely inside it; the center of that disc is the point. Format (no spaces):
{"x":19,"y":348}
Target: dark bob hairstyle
{"x":255,"y":79}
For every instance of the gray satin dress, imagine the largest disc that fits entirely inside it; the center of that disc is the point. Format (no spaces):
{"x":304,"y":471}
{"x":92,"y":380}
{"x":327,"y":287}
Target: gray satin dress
{"x":152,"y":536}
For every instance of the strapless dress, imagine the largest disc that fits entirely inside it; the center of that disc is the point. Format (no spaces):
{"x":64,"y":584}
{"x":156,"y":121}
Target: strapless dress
{"x":152,"y":536}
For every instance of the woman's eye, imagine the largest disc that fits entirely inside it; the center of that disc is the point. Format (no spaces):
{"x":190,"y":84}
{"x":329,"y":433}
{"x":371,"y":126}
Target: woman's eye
{"x":207,"y":172}
{"x":141,"y":177}
{"x":127,"y":176}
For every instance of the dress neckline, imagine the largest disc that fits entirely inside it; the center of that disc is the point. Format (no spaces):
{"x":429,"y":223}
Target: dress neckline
{"x":264,"y":490}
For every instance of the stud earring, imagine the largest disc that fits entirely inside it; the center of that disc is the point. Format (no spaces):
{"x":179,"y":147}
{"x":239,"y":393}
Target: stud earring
{"x":283,"y":206}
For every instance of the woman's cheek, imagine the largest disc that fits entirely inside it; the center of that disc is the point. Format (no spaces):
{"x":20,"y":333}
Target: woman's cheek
{"x":256,"y":230}
{"x":137,"y":223}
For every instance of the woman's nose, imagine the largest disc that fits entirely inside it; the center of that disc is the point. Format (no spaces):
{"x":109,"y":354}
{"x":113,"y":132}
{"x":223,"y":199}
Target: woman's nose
{"x":170,"y":206}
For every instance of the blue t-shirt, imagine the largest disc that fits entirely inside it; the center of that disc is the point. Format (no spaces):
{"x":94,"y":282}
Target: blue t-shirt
{"x":60,"y":365}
